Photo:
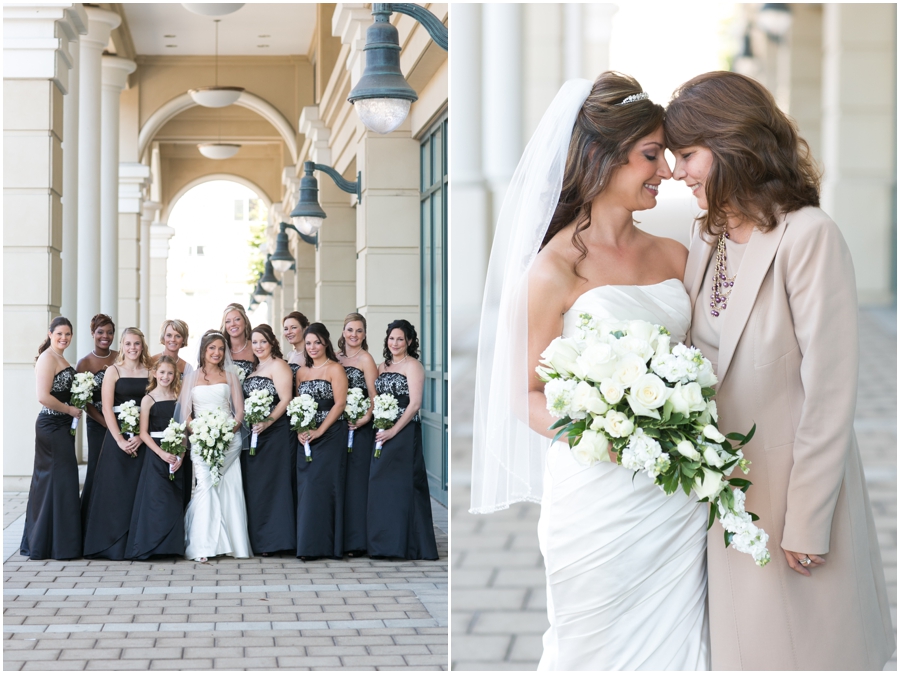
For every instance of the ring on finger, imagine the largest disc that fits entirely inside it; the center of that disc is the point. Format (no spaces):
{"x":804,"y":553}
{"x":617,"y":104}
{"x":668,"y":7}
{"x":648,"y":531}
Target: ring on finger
{"x":806,"y":561}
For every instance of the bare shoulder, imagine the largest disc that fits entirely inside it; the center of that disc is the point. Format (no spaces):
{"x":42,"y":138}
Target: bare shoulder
{"x":552,"y":276}
{"x":668,"y":255}
{"x":83,"y":364}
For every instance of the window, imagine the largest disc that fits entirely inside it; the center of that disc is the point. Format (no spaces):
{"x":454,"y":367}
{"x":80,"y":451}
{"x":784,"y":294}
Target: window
{"x":238,"y":209}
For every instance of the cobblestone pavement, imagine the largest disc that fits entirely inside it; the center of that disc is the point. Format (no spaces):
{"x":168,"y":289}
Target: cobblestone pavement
{"x":250,"y":614}
{"x":498,"y":595}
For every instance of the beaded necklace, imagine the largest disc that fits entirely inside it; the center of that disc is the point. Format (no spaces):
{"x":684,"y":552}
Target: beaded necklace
{"x":722,"y":285}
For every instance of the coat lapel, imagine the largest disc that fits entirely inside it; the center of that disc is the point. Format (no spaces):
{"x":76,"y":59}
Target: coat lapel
{"x":694,"y":270}
{"x":758,"y":258}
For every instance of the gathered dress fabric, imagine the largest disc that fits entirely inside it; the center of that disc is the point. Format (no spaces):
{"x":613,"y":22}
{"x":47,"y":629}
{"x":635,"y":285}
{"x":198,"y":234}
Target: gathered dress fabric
{"x":320,"y":482}
{"x":625,"y":563}
{"x":157,"y":519}
{"x":356,"y":491}
{"x":399,"y":520}
{"x":95,"y":434}
{"x":52,"y":516}
{"x":111,"y":500}
{"x":216,"y":519}
{"x":268,"y":491}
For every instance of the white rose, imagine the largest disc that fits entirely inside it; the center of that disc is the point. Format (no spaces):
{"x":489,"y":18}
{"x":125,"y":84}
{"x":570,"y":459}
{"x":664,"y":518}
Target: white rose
{"x":631,"y":344}
{"x":618,"y":425}
{"x":586,"y":399}
{"x":611,"y":391}
{"x":650,"y":391}
{"x":709,"y":484}
{"x":712,"y":410}
{"x":629,"y":368}
{"x":687,"y":398}
{"x":591,"y":448}
{"x":686,"y":449}
{"x":705,"y":375}
{"x":662,"y":345}
{"x":712,"y":456}
{"x":642,"y":330}
{"x":713,"y":433}
{"x":561,"y":354}
{"x":597,"y":362}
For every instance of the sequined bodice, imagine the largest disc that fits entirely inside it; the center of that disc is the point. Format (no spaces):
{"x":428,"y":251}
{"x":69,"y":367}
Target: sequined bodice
{"x":258,"y":383}
{"x":356,"y":379}
{"x":323,"y":394}
{"x":395,"y":384}
{"x":61,"y":389}
{"x":246,"y":365}
{"x":294,"y":367}
{"x":161,"y":414}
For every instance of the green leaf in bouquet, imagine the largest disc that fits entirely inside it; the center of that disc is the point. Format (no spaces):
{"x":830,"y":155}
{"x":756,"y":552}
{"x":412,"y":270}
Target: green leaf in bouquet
{"x":708,"y":392}
{"x":728,"y":538}
{"x":652,"y":431}
{"x":753,"y":516}
{"x":740,"y":482}
{"x":561,"y":433}
{"x":667,"y":410}
{"x":688,"y":470}
{"x":560,"y":422}
{"x":742,"y":439}
{"x":727,"y":498}
{"x":618,"y":334}
{"x":686,"y":486}
{"x":712,"y":515}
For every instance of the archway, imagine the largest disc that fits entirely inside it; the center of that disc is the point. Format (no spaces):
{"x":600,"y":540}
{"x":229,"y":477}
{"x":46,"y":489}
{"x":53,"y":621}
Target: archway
{"x":229,"y":177}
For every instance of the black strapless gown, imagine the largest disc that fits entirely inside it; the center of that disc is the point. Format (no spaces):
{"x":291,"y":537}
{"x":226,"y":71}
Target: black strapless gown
{"x":52,"y":520}
{"x":95,"y":434}
{"x":320,"y":482}
{"x":294,"y":367}
{"x":115,"y":483}
{"x":268,"y":487}
{"x":246,"y":366}
{"x":399,"y":522}
{"x":157,"y":519}
{"x":356,"y":489}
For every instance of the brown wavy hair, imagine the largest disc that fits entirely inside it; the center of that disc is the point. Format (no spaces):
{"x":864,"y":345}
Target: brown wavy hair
{"x":145,"y":352}
{"x":297,"y":316}
{"x":176,"y":382}
{"x":266,"y":331}
{"x":55,"y":323}
{"x":342,"y":344}
{"x":320,"y":331}
{"x":208,"y":337}
{"x":412,"y":339}
{"x":761,"y":166}
{"x":605,"y":132}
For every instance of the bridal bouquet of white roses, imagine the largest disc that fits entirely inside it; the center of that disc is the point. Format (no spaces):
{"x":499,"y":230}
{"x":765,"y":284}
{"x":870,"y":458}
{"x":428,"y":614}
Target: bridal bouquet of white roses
{"x":357,"y":406}
{"x":621,"y":384}
{"x":387,"y":409}
{"x":302,"y":411}
{"x":256,"y":410}
{"x":129,"y":417}
{"x":211,"y":433}
{"x":173,"y":442}
{"x":82,"y":392}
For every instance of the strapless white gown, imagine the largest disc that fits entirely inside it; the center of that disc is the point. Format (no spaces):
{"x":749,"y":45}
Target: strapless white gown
{"x":626,"y":564}
{"x":216,"y":519}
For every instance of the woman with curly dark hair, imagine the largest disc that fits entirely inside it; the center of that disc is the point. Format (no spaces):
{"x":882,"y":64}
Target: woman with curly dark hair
{"x":775,"y":310}
{"x":399,"y":522}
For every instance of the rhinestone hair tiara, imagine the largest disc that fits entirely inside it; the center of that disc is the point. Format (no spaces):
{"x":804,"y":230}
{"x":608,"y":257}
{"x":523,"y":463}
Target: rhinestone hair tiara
{"x":635,"y":97}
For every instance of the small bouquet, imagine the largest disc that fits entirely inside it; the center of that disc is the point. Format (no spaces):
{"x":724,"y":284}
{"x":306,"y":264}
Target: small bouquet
{"x":256,"y":410}
{"x":82,"y":392}
{"x":239,"y":371}
{"x":357,"y":406}
{"x":173,"y":442}
{"x":129,"y":417}
{"x":211,"y":433}
{"x":387,"y":410}
{"x":622,"y":384}
{"x":302,"y":411}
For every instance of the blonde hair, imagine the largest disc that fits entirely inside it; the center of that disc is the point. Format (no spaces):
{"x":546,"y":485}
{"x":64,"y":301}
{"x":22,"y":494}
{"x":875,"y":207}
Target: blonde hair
{"x":238,"y":307}
{"x":178,"y":326}
{"x":176,"y":382}
{"x":145,"y":356}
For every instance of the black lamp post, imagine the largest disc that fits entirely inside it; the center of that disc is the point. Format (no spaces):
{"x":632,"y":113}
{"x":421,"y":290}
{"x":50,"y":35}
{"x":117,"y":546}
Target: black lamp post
{"x":308,"y":214}
{"x":268,"y":281}
{"x":282,"y":260}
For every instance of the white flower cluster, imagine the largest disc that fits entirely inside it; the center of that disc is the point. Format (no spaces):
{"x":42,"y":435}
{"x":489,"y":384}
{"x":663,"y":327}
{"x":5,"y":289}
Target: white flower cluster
{"x":302,"y":411}
{"x":211,"y":434}
{"x":239,"y":371}
{"x":387,"y":409}
{"x":257,"y":406}
{"x":82,"y":390}
{"x":129,"y":417}
{"x":746,"y":536}
{"x":643,"y":453}
{"x":357,"y":404}
{"x":173,"y":442}
{"x":683,"y":364}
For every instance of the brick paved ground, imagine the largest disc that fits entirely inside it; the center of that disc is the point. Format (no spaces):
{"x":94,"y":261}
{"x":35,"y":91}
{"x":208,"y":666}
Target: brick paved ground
{"x":259,"y":613}
{"x":498,"y":595}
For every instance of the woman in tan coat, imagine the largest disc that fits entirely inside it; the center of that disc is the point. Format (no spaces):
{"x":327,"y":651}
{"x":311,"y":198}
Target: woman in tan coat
{"x":775,"y":310}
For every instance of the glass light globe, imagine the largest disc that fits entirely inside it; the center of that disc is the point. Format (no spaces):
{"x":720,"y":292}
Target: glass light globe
{"x":216,"y":97}
{"x":281,"y":266}
{"x":382,"y":115}
{"x":218,"y":150}
{"x":307,"y":225}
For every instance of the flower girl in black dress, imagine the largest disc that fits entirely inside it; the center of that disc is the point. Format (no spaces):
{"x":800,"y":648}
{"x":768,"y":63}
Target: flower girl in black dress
{"x":157,"y":519}
{"x":52,"y":517}
{"x":119,"y":466}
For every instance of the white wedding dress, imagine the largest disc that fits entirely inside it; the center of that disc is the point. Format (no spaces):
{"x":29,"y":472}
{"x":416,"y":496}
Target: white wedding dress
{"x":216,"y":519}
{"x":626,"y":564}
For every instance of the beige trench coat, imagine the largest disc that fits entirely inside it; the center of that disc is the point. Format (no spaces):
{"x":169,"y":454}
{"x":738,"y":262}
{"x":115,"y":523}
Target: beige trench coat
{"x":788,"y":361}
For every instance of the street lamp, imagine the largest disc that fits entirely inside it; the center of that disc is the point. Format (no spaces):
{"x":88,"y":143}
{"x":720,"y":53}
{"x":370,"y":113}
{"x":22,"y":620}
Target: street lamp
{"x":281,"y":259}
{"x":382,"y":97}
{"x":308,"y":215}
{"x":216,"y":96}
{"x":775,"y":20}
{"x":268,"y":281}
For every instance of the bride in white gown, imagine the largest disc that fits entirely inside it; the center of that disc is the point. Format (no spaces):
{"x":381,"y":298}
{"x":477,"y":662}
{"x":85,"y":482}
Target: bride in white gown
{"x":216,"y":519}
{"x":625,"y":564}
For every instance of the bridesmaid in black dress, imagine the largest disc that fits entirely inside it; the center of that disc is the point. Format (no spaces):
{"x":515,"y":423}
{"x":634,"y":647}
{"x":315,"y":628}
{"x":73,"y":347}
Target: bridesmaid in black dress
{"x":52,"y":520}
{"x":119,"y":466}
{"x":320,"y":482}
{"x":268,"y":487}
{"x":173,"y":335}
{"x":399,"y":523}
{"x":236,"y":328}
{"x":157,"y":519}
{"x":103,"y":330}
{"x":294,"y":325}
{"x":353,"y":352}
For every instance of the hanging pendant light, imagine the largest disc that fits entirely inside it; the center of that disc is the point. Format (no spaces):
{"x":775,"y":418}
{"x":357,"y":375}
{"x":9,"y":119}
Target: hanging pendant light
{"x":216,"y":96}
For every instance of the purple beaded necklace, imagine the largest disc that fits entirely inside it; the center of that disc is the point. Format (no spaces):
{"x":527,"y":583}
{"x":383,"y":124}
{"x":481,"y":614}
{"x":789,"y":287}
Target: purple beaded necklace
{"x":722,"y":285}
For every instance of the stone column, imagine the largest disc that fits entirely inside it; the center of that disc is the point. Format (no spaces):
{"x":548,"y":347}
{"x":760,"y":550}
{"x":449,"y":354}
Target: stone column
{"x":115,"y":73}
{"x":858,"y":139}
{"x":36,"y":66}
{"x":100,"y":23}
{"x":148,"y":214}
{"x":133,"y":178}
{"x":160,"y":233}
{"x":805,"y":68}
